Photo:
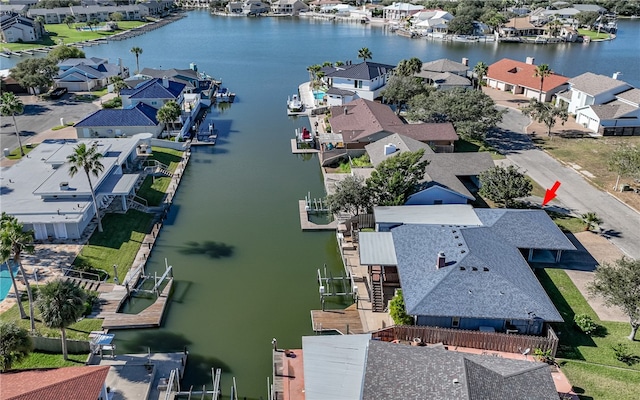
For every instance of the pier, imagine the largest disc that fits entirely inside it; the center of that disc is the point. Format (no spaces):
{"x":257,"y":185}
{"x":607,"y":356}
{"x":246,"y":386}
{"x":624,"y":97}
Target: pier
{"x":307,"y":225}
{"x":345,"y":321}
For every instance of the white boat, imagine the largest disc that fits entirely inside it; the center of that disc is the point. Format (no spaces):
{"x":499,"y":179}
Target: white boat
{"x":223,"y":95}
{"x":294,"y":104}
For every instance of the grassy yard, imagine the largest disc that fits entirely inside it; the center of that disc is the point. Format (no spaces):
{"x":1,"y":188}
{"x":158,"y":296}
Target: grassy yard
{"x":15,"y":154}
{"x":153,"y":190}
{"x":474,"y":146}
{"x":594,"y":35}
{"x":589,"y":361}
{"x":118,"y":244}
{"x":47,"y":360}
{"x":168,"y":157}
{"x":79,"y":331}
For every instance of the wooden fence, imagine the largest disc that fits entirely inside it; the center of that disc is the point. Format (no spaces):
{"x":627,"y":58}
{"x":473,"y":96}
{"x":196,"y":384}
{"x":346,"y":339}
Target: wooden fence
{"x":493,"y":341}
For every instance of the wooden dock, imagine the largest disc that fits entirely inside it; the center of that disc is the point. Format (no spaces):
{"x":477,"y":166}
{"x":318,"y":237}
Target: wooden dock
{"x":150,"y":317}
{"x":307,"y":225}
{"x":296,"y":150}
{"x":345,"y":321}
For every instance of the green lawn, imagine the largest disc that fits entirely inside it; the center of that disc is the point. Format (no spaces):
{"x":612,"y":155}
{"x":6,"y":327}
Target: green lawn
{"x":118,"y":244}
{"x":80,"y":330}
{"x":591,"y":365}
{"x":154,"y":189}
{"x":594,"y":35}
{"x":47,"y":360}
{"x":168,"y":157}
{"x":15,"y":154}
{"x":474,"y":146}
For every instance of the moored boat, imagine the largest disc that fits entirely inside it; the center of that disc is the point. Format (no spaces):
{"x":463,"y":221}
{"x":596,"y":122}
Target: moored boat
{"x":294,"y":104}
{"x":224,"y":95}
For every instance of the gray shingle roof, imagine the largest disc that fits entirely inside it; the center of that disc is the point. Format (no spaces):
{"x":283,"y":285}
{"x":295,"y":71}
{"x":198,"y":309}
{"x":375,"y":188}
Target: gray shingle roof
{"x":396,"y":371}
{"x":631,"y":96}
{"x":485,"y":274}
{"x":594,"y":84}
{"x":444,"y":65}
{"x":365,"y":71}
{"x":340,"y":92}
{"x":613,"y":110}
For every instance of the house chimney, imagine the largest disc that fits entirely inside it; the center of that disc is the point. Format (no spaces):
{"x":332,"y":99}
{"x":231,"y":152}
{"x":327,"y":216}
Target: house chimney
{"x":64,"y":185}
{"x":530,"y":60}
{"x":346,"y":111}
{"x":465,"y":61}
{"x":441,"y":261}
{"x":616,"y":74}
{"x":165,"y":81}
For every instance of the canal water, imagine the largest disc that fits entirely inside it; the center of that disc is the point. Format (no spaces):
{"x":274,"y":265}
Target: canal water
{"x":245,"y":272}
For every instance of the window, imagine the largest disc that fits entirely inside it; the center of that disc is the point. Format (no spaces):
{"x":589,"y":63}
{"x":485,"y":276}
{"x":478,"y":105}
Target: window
{"x":455,"y":322}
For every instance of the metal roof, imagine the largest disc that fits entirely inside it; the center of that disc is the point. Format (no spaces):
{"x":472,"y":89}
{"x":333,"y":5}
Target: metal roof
{"x":443,"y":214}
{"x":376,"y":248}
{"x":334,"y":366}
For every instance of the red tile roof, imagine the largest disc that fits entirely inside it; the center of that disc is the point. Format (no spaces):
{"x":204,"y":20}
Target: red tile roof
{"x":364,"y":118}
{"x":522,"y":74}
{"x":78,"y":383}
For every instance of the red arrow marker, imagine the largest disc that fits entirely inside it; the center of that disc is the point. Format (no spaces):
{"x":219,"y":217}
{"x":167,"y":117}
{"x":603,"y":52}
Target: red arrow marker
{"x":550,"y":193}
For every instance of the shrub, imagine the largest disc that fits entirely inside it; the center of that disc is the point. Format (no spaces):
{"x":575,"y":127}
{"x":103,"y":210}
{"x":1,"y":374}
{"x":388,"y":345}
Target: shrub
{"x":116,"y":102}
{"x":397,"y":310}
{"x":585,"y":323}
{"x":623,"y":354}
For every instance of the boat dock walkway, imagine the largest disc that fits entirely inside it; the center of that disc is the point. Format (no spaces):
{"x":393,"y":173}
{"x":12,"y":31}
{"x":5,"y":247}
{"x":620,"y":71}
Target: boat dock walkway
{"x":296,"y":150}
{"x":345,"y":321}
{"x":307,"y":225}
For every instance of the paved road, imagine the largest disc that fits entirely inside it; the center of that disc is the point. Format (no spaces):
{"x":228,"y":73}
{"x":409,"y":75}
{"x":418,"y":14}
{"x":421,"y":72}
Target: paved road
{"x":40,"y":115}
{"x":620,"y":223}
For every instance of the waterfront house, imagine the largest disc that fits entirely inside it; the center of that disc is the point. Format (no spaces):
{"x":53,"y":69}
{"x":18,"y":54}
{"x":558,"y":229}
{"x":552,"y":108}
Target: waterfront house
{"x":400,"y":11}
{"x":591,"y":89}
{"x":448,"y":177}
{"x":41,"y":194}
{"x":154,"y":92}
{"x":445,"y":74}
{"x":248,"y":7}
{"x":195,"y":81}
{"x":360,"y":122}
{"x":84,"y":74}
{"x":111,"y":123}
{"x":78,"y":383}
{"x":521,"y":26}
{"x":288,"y":7}
{"x":519,"y":78}
{"x":366,"y":79}
{"x":466,"y":268}
{"x":88,"y":13}
{"x":359,"y":367}
{"x":18,"y":28}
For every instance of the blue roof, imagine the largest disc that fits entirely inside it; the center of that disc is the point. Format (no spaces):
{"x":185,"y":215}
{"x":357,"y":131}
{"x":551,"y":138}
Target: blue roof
{"x":365,"y":71}
{"x":485,"y":275}
{"x":154,"y":89}
{"x":140,"y":115}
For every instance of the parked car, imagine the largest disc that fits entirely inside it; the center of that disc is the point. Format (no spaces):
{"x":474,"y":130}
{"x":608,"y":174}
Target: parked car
{"x":58,"y":92}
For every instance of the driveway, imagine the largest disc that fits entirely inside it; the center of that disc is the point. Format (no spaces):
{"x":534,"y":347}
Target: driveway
{"x":621,"y":224}
{"x":41,"y":115}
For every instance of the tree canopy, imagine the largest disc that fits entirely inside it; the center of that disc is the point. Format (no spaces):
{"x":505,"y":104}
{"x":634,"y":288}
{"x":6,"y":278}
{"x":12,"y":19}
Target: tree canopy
{"x":15,"y":344}
{"x":397,"y":178}
{"x":10,"y":105}
{"x":35,"y":73}
{"x":408,"y":67}
{"x":64,"y":52}
{"x":503,"y":185}
{"x":625,"y":161}
{"x":462,"y":25}
{"x":351,"y":196}
{"x":365,"y":54}
{"x":472,"y":112}
{"x":619,"y":285}
{"x":400,"y":89}
{"x":545,"y":113}
{"x":587,"y":18}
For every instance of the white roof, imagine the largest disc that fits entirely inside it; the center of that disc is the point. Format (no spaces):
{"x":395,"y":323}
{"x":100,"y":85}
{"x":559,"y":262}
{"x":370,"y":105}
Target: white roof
{"x":442,"y":214}
{"x":334,"y":366}
{"x":404,"y":7}
{"x":377,"y":248}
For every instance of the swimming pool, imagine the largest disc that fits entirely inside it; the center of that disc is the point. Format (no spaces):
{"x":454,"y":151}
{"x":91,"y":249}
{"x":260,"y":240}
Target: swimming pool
{"x":318,"y":95}
{"x":5,"y":280}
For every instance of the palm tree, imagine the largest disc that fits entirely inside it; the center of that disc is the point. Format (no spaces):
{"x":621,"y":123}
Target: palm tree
{"x":87,"y":159}
{"x":313,"y":70}
{"x":542,"y":71}
{"x":365,"y":54}
{"x":338,"y":63}
{"x":14,"y":241}
{"x":61,"y":303}
{"x":69,"y":19}
{"x":10,"y":105}
{"x":481,"y":71}
{"x":118,"y":84}
{"x":90,"y":24}
{"x":15,"y":344}
{"x":590,"y":219}
{"x":137,"y":51}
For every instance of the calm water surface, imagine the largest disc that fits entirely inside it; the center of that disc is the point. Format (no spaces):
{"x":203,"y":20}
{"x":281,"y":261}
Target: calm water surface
{"x":243,"y":193}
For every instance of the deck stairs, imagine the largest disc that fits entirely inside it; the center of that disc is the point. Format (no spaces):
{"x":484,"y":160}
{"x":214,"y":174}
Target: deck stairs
{"x":138,"y":203}
{"x":156,"y":168}
{"x":86,"y":284}
{"x":377,"y":294}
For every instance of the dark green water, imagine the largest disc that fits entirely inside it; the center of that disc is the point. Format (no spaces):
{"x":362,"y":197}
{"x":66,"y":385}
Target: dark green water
{"x":243,"y":194}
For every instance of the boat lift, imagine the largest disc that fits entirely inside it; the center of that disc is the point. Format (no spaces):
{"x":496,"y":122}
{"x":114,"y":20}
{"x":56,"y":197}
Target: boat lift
{"x":157,"y":282}
{"x":335,"y":286}
{"x":173,"y":387}
{"x":315,"y":205}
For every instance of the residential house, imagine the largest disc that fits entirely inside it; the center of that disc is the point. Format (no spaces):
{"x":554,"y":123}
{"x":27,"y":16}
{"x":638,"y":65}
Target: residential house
{"x":18,"y":28}
{"x":400,"y":11}
{"x":20,"y":9}
{"x":606,"y":106}
{"x":288,"y":7}
{"x":154,"y":92}
{"x":254,"y":7}
{"x":78,"y":383}
{"x":156,"y":8}
{"x":195,"y":81}
{"x":113,"y":123}
{"x":466,"y":268}
{"x":569,"y":34}
{"x":521,"y":26}
{"x":361,"y":122}
{"x":519,"y":78}
{"x":84,"y":74}
{"x":446,"y":74}
{"x":366,"y":79}
{"x":357,"y":367}
{"x":448,"y":176}
{"x":45,"y":198}
{"x":83,"y":14}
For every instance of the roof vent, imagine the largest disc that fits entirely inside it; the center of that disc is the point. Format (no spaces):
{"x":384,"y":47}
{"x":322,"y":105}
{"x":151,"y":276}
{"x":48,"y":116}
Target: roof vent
{"x":455,"y":380}
{"x":474,"y":268}
{"x":389,"y":148}
{"x":485,"y":269}
{"x":64,"y":185}
{"x":346,"y":111}
{"x":462,"y":268}
{"x":440,"y":263}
